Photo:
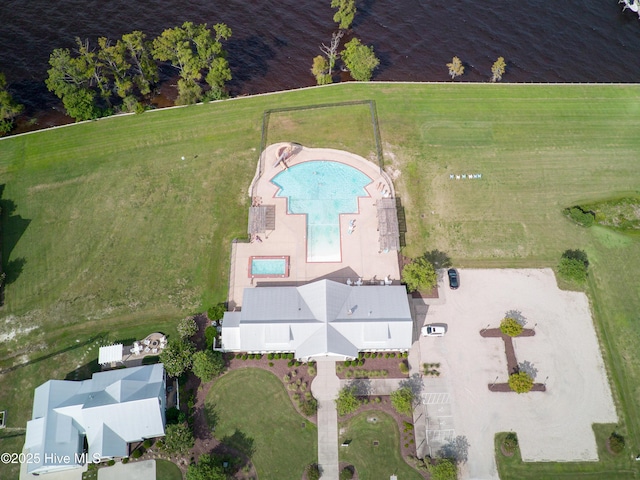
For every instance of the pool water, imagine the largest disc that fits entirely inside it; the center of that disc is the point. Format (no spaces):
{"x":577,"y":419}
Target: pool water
{"x":268,"y":266}
{"x":323,"y":190}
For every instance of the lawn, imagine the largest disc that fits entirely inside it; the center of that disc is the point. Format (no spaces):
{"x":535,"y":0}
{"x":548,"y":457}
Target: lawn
{"x":108,"y":234}
{"x":166,"y":470}
{"x":252,"y":412}
{"x":375,"y":461}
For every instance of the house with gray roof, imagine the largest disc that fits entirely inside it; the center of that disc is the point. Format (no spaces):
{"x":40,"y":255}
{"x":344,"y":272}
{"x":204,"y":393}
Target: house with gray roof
{"x":99,"y":417}
{"x":320,"y":319}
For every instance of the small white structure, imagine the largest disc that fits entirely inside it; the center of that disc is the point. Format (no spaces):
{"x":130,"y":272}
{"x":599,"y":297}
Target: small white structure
{"x":110,"y":354}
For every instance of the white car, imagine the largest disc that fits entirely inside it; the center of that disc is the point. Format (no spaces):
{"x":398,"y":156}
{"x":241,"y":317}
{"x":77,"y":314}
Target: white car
{"x":433,"y":331}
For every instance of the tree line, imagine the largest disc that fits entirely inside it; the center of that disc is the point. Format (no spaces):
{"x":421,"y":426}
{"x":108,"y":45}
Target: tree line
{"x":110,"y":77}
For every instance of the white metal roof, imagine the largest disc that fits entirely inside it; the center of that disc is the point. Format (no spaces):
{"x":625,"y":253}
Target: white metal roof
{"x":109,"y":354}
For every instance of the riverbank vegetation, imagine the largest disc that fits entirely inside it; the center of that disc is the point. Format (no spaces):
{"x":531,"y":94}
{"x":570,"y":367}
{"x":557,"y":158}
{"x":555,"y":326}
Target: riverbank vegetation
{"x":111,"y":234}
{"x":97,"y":81}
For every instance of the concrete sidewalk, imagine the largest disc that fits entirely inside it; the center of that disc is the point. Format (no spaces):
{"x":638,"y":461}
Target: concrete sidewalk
{"x":325,"y":389}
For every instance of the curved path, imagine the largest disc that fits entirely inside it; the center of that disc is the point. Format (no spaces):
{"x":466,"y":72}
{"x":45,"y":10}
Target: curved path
{"x":325,"y":389}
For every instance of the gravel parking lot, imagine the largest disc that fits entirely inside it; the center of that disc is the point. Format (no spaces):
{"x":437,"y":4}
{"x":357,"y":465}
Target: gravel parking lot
{"x":564,"y":353}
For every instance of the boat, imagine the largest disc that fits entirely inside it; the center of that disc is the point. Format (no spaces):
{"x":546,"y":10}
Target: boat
{"x":633,"y":5}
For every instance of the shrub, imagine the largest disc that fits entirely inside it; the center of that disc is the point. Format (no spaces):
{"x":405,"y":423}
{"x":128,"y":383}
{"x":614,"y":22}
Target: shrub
{"x":510,"y":443}
{"x":270,"y":356}
{"x":238,"y":355}
{"x":404,"y":368}
{"x":216,"y":312}
{"x":616,"y":443}
{"x":520,"y":382}
{"x":572,"y":270}
{"x":313,"y":471}
{"x":290,"y":363}
{"x":187,"y":327}
{"x":277,"y":356}
{"x":580,"y":216}
{"x":286,"y":377}
{"x":402,"y":400}
{"x":347,"y":402}
{"x":311,"y":370}
{"x":271,"y":364}
{"x":245,"y":356}
{"x":309,"y":407}
{"x":147,"y":443}
{"x":297,"y":363}
{"x":290,"y":356}
{"x":210,"y":334}
{"x":137,"y":453}
{"x":112,"y":462}
{"x":347,"y":473}
{"x":125,"y":460}
{"x":510,"y":326}
{"x":444,"y":469}
{"x":367,"y":355}
{"x":347,"y":363}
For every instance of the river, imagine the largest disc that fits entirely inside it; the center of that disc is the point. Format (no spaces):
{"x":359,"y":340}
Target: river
{"x":273,"y":42}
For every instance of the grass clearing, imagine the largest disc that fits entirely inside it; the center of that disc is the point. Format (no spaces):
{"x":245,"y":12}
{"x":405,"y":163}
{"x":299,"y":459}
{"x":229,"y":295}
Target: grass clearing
{"x":166,"y":470}
{"x":373,"y":461}
{"x":252,"y":412}
{"x":110,"y":232}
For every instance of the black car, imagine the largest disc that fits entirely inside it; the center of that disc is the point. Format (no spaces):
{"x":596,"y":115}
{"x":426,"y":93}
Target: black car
{"x":454,"y":280}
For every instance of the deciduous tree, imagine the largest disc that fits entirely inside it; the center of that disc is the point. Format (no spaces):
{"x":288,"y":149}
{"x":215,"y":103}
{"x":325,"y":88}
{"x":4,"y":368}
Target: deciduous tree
{"x":207,"y":468}
{"x":178,"y":439}
{"x":456,"y":68}
{"x":497,"y":70}
{"x":207,"y":365}
{"x":510,"y":326}
{"x":9,"y":109}
{"x":320,"y":70}
{"x":419,"y":275}
{"x":177,"y":357}
{"x":345,"y":14}
{"x":187,"y":327}
{"x":360,"y":60}
{"x":443,"y":469}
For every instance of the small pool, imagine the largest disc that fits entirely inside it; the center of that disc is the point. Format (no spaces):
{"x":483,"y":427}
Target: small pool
{"x":322,"y":190}
{"x":269,"y":267}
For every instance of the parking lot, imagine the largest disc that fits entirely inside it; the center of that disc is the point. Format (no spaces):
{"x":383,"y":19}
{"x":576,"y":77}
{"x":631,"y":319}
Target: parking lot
{"x":462,"y":415}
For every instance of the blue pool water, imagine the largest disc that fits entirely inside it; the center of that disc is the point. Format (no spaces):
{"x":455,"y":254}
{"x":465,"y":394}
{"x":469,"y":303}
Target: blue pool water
{"x":322,"y":190}
{"x":268,"y":266}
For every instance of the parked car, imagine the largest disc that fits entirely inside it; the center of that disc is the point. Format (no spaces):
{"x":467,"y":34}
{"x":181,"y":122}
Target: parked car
{"x":454,"y":279}
{"x":433,"y":330}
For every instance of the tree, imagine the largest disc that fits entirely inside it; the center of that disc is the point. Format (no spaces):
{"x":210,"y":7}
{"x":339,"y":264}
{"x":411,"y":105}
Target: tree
{"x":144,"y":68}
{"x":360,"y":60}
{"x":347,"y":401}
{"x":9,"y":109}
{"x":497,"y":70}
{"x":402,"y":400}
{"x":207,"y":468}
{"x":456,"y":68}
{"x":443,"y":469}
{"x":208,"y":364}
{"x":331,"y":51}
{"x":216,"y":312}
{"x":573,"y":266}
{"x":187,"y":327}
{"x":195,"y":52}
{"x":345,"y":14}
{"x":177,"y":357}
{"x":178,"y":439}
{"x":520,"y":382}
{"x":510,"y":326}
{"x":320,"y":70}
{"x":419,"y":275}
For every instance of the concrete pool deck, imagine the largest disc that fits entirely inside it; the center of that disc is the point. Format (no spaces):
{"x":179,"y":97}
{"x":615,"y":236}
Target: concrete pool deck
{"x":360,"y":249}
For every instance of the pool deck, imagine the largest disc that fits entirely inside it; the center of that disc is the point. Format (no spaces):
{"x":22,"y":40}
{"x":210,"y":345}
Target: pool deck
{"x":360,"y":249}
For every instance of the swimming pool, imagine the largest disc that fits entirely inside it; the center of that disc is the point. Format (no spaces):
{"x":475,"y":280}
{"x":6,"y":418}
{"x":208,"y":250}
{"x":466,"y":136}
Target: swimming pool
{"x":268,"y":267}
{"x":322,"y":190}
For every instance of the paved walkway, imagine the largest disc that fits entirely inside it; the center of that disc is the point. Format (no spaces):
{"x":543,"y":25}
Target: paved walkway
{"x":325,"y":389}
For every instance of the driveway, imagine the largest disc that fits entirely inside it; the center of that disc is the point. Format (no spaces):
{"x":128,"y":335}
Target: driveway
{"x":564,"y":354}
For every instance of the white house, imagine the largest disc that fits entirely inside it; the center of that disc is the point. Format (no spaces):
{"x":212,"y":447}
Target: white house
{"x":322,"y":318}
{"x":99,"y":417}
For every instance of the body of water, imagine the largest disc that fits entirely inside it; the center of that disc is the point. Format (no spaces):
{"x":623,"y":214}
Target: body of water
{"x":274,"y":42}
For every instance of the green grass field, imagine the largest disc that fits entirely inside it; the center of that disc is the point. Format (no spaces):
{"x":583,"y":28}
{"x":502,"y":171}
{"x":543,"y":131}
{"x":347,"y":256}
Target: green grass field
{"x":252,"y":411}
{"x":108,"y":233}
{"x":166,"y":470}
{"x":375,"y":461}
